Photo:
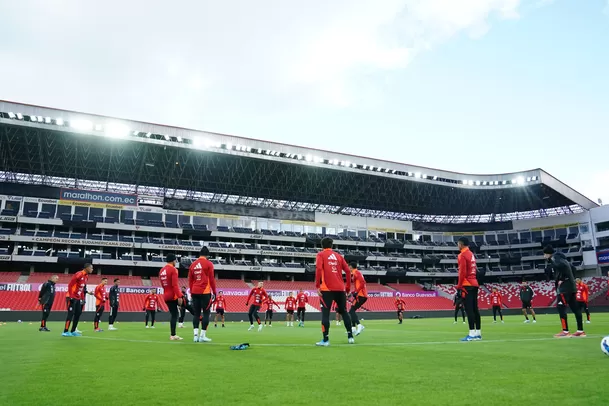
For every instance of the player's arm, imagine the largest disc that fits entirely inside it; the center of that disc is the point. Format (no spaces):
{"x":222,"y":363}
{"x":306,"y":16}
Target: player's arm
{"x":347,"y":272}
{"x":212,"y":278}
{"x":247,"y":302}
{"x":319,"y":269}
{"x":191,"y":275}
{"x":176,"y":285}
{"x":146,"y":302}
{"x":72,"y":284}
{"x":362,"y":284}
{"x":43,"y":290}
{"x":462,"y":265}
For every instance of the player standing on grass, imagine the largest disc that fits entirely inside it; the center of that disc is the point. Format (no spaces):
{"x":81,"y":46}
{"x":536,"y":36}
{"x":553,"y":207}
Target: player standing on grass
{"x":182,"y":309}
{"x":171,"y":293}
{"x":302,"y":299}
{"x":468,"y":285}
{"x":360,"y":296}
{"x":202,"y":283}
{"x":270,"y":306}
{"x":75,"y":297}
{"x":400,"y":306}
{"x":151,"y":305}
{"x":329,"y":268}
{"x":259,"y":296}
{"x":46,"y":297}
{"x":526,"y":297}
{"x":338,"y":318}
{"x":114,"y":303}
{"x":220,"y":304}
{"x":496,"y":303}
{"x":101,"y":296}
{"x":458,"y":303}
{"x":582,"y":298}
{"x":290,"y":305}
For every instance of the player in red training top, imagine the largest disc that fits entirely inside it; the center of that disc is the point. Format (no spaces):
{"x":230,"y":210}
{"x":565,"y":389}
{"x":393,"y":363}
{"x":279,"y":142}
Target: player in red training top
{"x":151,"y":306}
{"x":582,"y":297}
{"x":400,"y":306}
{"x":101,"y":296}
{"x":360,"y":296}
{"x":290,"y":305}
{"x":220,"y":304}
{"x":75,"y":298}
{"x":258,"y":296}
{"x":329,"y":268}
{"x":301,"y":300}
{"x":270,"y":307}
{"x":338,"y":318}
{"x":496,"y":303}
{"x":171,"y":293}
{"x":468,"y":284}
{"x":202,"y":283}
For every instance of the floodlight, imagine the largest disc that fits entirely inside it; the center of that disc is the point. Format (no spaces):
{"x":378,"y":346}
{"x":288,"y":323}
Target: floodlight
{"x":470,"y":182}
{"x":309,"y":158}
{"x":520,"y":180}
{"x":81,"y":125}
{"x":417,"y":175}
{"x":47,"y":120}
{"x":335,"y":162}
{"x":19,"y":116}
{"x":40,"y":119}
{"x":148,"y":135}
{"x":477,"y":183}
{"x":435,"y":178}
{"x":117,"y":130}
{"x":11,"y":115}
{"x":59,"y":121}
{"x":98,"y":127}
{"x":33,"y":119}
{"x":167,"y":137}
{"x":505,"y":182}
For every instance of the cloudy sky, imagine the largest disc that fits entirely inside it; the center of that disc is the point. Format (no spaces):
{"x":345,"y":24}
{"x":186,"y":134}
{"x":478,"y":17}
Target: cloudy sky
{"x":475,"y":86}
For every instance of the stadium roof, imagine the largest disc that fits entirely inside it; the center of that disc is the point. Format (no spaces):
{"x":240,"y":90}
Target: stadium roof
{"x":55,"y":147}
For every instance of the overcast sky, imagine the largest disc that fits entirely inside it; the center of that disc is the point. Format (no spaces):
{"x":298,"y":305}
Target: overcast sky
{"x":475,"y":86}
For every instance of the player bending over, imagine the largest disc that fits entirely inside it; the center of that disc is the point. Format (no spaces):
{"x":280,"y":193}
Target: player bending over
{"x":526,"y":297}
{"x":496,"y":303}
{"x":582,"y":298}
{"x":290,"y":305}
{"x":270,"y":306}
{"x":220,"y":304}
{"x":258,"y":296}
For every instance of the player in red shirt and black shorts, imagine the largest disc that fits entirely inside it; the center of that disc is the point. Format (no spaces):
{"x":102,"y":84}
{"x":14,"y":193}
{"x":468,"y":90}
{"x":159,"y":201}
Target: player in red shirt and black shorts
{"x":220,"y":304}
{"x":581,"y":295}
{"x":290,"y":305}
{"x":202,"y":283}
{"x":101,"y":296}
{"x":270,"y":307}
{"x":301,"y":300}
{"x":329,"y":268}
{"x":75,"y":298}
{"x":400,"y":305}
{"x":468,"y":285}
{"x":258,"y":296}
{"x":171,"y":293}
{"x":360,"y":296}
{"x":496,"y":303}
{"x":151,"y":306}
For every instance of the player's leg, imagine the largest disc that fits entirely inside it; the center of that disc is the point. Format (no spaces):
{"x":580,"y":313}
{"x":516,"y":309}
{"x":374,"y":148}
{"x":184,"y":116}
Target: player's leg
{"x":197,"y":305}
{"x":340,"y":298}
{"x":69,"y":316}
{"x":400,"y":316}
{"x":222,"y":316}
{"x":532,"y":313}
{"x":561,"y":305}
{"x":577,"y":311}
{"x":46,"y":310}
{"x":326,"y":305}
{"x":583,"y":307}
{"x":111,"y":317}
{"x":524,"y":312}
{"x":266,"y":317}
{"x":250,"y":315}
{"x":182,"y":311}
{"x":147,"y":317}
{"x":173,"y":321}
{"x":205,"y":307}
{"x":99,"y":311}
{"x":270,"y":317}
{"x":469,"y":310}
{"x":477,"y":317}
{"x":500,"y":313}
{"x":456,"y":313}
{"x":77,"y":313}
{"x":152,"y":318}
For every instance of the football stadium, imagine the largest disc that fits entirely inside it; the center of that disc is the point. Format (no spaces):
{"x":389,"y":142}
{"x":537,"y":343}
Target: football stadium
{"x":128,"y":197}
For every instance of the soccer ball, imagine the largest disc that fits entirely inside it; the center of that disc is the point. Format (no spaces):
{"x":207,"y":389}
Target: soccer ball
{"x":605,"y":345}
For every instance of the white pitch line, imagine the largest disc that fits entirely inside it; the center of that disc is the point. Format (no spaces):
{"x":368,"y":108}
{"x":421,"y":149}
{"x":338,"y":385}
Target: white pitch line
{"x":404,"y":344}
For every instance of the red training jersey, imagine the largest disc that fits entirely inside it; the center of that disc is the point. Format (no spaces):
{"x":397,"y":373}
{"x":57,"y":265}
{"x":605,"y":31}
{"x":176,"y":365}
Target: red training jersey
{"x":259,"y":295}
{"x":76,"y":287}
{"x":290,"y":303}
{"x":302,"y":299}
{"x":400,"y":304}
{"x":360,"y":284}
{"x":496,"y":299}
{"x":100,"y":295}
{"x":467,"y":269}
{"x":169,"y":281}
{"x":329,"y":268}
{"x":582,"y":292}
{"x":151,"y":302}
{"x":220,"y":302}
{"x":201,"y":279}
{"x":270,"y":305}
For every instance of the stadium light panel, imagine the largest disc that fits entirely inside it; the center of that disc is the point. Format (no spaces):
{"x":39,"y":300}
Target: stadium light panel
{"x":470,"y":182}
{"x":98,"y":127}
{"x":347,"y":164}
{"x":167,"y":137}
{"x":47,"y":120}
{"x":335,"y":162}
{"x":229,"y":146}
{"x":33,"y":119}
{"x":19,"y":116}
{"x":505,"y":182}
{"x":319,"y":159}
{"x":40,"y":119}
{"x":11,"y":115}
{"x":259,"y":150}
{"x":417,"y":175}
{"x":534,"y":178}
{"x":180,"y":139}
{"x":148,"y":135}
{"x":81,"y":125}
{"x":117,"y":130}
{"x":528,"y":178}
{"x":520,"y":180}
{"x":309,"y":158}
{"x":477,"y":183}
{"x":435,"y":178}
{"x":59,"y":121}
{"x":136,"y":133}
{"x":484,"y":183}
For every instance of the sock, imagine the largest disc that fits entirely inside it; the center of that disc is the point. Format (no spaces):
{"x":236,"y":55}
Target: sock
{"x":203,"y":333}
{"x":526,"y":317}
{"x":196,"y":331}
{"x":479,"y":333}
{"x":534,"y":318}
{"x":472,"y":333}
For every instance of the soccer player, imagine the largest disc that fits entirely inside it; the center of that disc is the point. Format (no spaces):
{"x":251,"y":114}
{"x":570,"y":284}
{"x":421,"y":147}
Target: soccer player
{"x":468,"y":284}
{"x":582,"y":298}
{"x":360,"y":296}
{"x":526,"y":297}
{"x":114,"y":303}
{"x":151,"y":305}
{"x":565,"y":292}
{"x":290,"y":305}
{"x":171,"y":293}
{"x":76,"y":294}
{"x":101,"y":296}
{"x":458,"y":303}
{"x":400,"y":306}
{"x":202,"y":283}
{"x":183,"y":308}
{"x":259,"y":296}
{"x":329,"y":268}
{"x":338,"y":318}
{"x":301,"y":299}
{"x":46,"y":297}
{"x":270,"y":306}
{"x":496,"y":303}
{"x":220,"y":304}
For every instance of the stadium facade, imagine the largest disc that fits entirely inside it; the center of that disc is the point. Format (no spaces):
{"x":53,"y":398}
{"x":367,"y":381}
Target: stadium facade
{"x":122,"y":194}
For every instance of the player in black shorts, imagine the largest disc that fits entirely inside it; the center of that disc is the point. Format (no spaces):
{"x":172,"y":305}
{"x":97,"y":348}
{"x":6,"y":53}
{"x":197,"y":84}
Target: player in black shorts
{"x":526,"y":297}
{"x":458,"y":303}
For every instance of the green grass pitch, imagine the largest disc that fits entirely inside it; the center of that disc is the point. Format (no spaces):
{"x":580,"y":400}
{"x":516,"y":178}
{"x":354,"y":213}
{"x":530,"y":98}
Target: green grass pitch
{"x":419,"y":363}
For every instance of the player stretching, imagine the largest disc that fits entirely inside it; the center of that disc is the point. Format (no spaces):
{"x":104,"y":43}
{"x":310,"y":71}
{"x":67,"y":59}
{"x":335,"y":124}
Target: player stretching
{"x":220,"y":304}
{"x":46,"y":297}
{"x":151,"y":305}
{"x":259,"y":296}
{"x":329,"y":268}
{"x":171,"y":293}
{"x":290,"y":304}
{"x":582,"y":298}
{"x":526,"y":297}
{"x":360,"y":296}
{"x":76,"y":294}
{"x":458,"y":303}
{"x":496,"y":303}
{"x":114,"y":304}
{"x":302,"y":299}
{"x":400,"y":306}
{"x":202,"y":283}
{"x":338,"y":318}
{"x":270,"y":306}
{"x":565,"y":292}
{"x":101,"y":296}
{"x":468,"y":284}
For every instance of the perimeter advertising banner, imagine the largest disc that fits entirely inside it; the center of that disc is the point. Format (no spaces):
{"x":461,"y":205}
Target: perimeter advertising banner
{"x":97,"y":198}
{"x":603,"y":257}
